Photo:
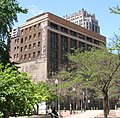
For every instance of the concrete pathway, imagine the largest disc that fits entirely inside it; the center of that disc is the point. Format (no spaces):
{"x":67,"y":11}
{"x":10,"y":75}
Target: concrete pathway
{"x":87,"y":114}
{"x":91,"y":114}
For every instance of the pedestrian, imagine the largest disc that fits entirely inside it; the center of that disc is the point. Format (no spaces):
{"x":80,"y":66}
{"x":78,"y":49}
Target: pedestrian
{"x":54,"y":113}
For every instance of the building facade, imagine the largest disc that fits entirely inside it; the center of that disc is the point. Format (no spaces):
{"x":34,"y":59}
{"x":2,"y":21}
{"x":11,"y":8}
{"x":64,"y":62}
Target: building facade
{"x":44,"y":40}
{"x":84,"y":19}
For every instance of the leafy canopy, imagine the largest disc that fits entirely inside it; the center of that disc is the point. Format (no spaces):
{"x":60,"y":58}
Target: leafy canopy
{"x":16,"y":91}
{"x":8,"y":16}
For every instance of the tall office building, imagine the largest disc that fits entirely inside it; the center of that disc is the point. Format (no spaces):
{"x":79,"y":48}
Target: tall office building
{"x":84,"y":19}
{"x":44,"y":40}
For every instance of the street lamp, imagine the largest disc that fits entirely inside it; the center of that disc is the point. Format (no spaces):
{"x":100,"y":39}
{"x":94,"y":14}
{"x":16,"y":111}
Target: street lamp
{"x":74,"y":101}
{"x":56,"y":83}
{"x":58,"y":101}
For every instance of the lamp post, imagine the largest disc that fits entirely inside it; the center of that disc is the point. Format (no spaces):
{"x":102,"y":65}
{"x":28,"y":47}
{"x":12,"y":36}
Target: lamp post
{"x":74,"y":101}
{"x":58,"y":100}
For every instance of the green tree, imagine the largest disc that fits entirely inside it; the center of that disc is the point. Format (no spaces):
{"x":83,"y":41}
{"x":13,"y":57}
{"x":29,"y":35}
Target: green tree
{"x":95,"y":69}
{"x":44,"y":92}
{"x":17,"y":92}
{"x":115,"y":10}
{"x":8,"y":16}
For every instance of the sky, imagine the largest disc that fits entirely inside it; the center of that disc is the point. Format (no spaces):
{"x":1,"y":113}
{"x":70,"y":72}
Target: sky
{"x":109,"y":23}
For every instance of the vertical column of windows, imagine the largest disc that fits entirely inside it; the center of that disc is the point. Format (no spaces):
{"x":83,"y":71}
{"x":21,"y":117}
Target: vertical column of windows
{"x":82,"y":46}
{"x":64,"y":49}
{"x":53,"y":51}
{"x":73,"y":45}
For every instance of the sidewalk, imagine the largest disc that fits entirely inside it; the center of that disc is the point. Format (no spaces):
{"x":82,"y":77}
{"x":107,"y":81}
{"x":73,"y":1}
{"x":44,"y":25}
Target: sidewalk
{"x":91,"y":114}
{"x":86,"y":114}
{"x":112,"y":114}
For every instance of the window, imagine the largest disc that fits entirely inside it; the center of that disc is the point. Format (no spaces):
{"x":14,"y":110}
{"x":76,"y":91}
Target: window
{"x":17,"y":40}
{"x":25,"y":48}
{"x":72,"y":33}
{"x":30,"y":29}
{"x":29,"y":56}
{"x":39,"y":44}
{"x":14,"y":48}
{"x":81,"y":36}
{"x":25,"y":56}
{"x":17,"y":48}
{"x":64,"y":44}
{"x":53,"y":25}
{"x":38,"y":54}
{"x":14,"y":56}
{"x":53,"y":65}
{"x":63,"y":29}
{"x":21,"y":49}
{"x":64,"y":49}
{"x":34,"y":36}
{"x":17,"y":55}
{"x":26,"y":30}
{"x":34,"y":27}
{"x":73,"y":44}
{"x":39,"y":35}
{"x":34,"y":45}
{"x":25,"y":39}
{"x":96,"y":29}
{"x":33,"y":54}
{"x":21,"y":32}
{"x":22,"y":40}
{"x":96,"y":42}
{"x":39,"y":25}
{"x":30,"y":38}
{"x":53,"y":51}
{"x":93,"y":29}
{"x":53,"y":55}
{"x":89,"y":39}
{"x":29,"y":46}
{"x":82,"y":45}
{"x":54,"y":40}
{"x":89,"y":47}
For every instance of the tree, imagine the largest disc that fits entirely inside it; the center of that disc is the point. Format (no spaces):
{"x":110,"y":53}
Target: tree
{"x":16,"y":92}
{"x":44,"y":92}
{"x":115,"y":10}
{"x":96,"y":69}
{"x":8,"y":16}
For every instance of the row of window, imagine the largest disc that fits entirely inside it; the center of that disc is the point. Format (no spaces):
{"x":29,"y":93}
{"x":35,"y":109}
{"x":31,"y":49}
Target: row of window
{"x":75,"y":34}
{"x":30,"y":56}
{"x":29,"y":29}
{"x":64,"y":42}
{"x":26,"y":47}
{"x":26,"y":39}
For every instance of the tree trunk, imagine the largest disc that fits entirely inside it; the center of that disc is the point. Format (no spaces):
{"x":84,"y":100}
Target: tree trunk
{"x":6,"y":114}
{"x":105,"y":104}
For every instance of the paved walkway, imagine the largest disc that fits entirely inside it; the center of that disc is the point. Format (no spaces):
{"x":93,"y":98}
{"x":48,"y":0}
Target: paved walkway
{"x":91,"y":114}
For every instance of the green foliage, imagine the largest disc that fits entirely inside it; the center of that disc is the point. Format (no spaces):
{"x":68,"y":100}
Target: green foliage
{"x":95,"y":68}
{"x":115,"y":10}
{"x":114,"y":45}
{"x":8,"y":16}
{"x":16,"y":91}
{"x":44,"y":92}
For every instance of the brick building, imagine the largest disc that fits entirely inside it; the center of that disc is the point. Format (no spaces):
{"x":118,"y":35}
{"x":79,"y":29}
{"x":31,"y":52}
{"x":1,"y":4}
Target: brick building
{"x":40,"y":44}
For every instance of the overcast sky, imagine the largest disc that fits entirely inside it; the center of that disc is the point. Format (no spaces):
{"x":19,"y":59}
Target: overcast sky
{"x":109,"y":23}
